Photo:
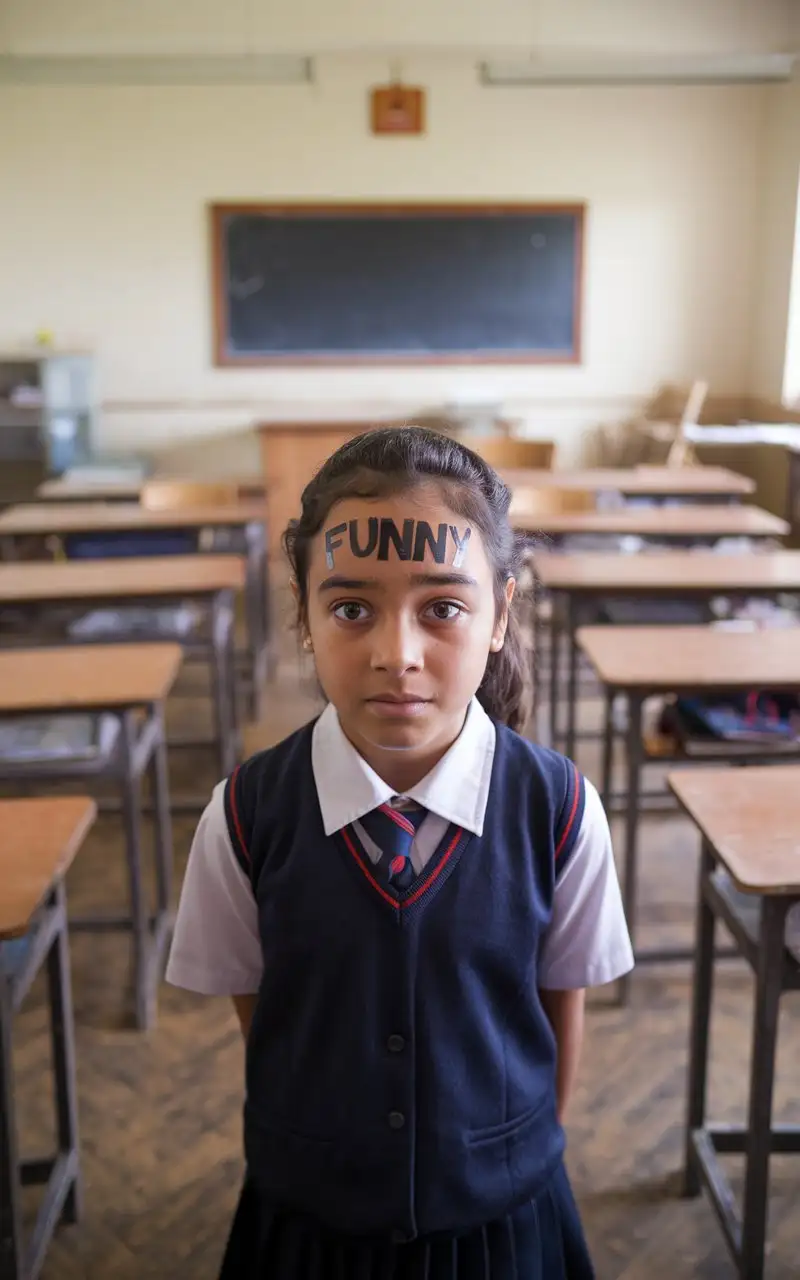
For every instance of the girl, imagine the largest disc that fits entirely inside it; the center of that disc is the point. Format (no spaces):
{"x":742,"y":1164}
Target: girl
{"x":405,"y":900}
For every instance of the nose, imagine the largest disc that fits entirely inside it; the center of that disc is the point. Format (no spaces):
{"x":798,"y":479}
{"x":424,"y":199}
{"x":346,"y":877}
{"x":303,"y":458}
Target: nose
{"x":396,"y":645}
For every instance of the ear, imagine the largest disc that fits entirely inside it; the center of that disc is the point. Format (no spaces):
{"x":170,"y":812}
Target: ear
{"x":501,"y":625}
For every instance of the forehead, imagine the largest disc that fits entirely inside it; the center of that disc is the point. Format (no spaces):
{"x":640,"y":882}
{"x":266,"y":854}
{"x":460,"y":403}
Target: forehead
{"x":388,"y":538}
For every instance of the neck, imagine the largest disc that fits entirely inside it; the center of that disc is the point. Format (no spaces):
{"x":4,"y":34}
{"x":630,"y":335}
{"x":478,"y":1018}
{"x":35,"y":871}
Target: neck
{"x":402,"y":770}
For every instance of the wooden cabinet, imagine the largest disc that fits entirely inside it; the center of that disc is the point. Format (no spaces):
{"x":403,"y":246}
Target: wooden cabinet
{"x":290,"y":454}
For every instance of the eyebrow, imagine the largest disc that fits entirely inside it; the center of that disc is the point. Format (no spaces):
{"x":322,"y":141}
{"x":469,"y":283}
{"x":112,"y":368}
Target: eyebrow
{"x":340,"y":583}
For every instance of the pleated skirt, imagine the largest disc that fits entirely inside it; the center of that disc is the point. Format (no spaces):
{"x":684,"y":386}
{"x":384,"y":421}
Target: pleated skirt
{"x":541,"y":1240}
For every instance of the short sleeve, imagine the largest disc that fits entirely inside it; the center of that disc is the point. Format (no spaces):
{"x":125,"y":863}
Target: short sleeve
{"x":216,"y":948}
{"x":587,"y":942}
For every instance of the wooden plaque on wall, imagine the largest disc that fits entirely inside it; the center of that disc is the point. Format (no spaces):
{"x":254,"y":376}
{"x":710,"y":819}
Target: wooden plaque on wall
{"x":398,"y":109}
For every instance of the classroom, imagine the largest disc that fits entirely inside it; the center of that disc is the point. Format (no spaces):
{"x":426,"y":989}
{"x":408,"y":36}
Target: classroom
{"x":348,"y":929}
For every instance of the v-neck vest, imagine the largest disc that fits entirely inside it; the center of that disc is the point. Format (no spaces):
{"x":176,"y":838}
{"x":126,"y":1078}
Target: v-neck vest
{"x":400,"y":1067}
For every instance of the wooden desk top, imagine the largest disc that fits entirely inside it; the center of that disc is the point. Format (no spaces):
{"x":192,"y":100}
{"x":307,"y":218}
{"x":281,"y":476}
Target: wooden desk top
{"x":752,"y":821}
{"x":692,"y":521}
{"x":64,"y":489}
{"x":87,"y":677}
{"x":136,"y":578}
{"x":91,"y":517}
{"x":674,"y":659}
{"x":38,"y":841}
{"x":677,"y":572}
{"x":674,"y":482}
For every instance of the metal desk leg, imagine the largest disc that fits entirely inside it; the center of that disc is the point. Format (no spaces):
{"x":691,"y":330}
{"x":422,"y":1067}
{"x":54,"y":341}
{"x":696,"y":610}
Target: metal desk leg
{"x":702,"y":991}
{"x":635,"y":754}
{"x":62,"y":1033}
{"x":608,"y":749}
{"x":572,"y":677}
{"x":769,"y":974}
{"x":555,"y":655}
{"x":257,"y":621}
{"x":223,"y":681}
{"x":266,"y":602}
{"x":162,"y":818}
{"x":537,"y":638}
{"x":132,"y":819}
{"x":11,"y":1249}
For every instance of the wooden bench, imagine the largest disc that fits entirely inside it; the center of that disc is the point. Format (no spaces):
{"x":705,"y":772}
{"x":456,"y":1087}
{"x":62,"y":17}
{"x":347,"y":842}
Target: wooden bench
{"x":85,"y":488}
{"x":38,"y":841}
{"x":637,"y":663}
{"x":688,"y":525}
{"x":129,"y":683}
{"x":707,"y":484}
{"x":749,"y":879}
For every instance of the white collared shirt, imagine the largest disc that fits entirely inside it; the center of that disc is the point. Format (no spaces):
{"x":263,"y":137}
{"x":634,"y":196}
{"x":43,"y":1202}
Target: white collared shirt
{"x":216,"y":948}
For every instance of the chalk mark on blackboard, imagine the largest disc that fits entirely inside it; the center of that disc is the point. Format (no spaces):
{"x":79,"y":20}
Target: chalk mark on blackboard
{"x":246,"y":288}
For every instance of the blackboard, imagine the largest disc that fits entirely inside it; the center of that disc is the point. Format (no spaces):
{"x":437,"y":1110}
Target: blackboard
{"x":352,"y":283}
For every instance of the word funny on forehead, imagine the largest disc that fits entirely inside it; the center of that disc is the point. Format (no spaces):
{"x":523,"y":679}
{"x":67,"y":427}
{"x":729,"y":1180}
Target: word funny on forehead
{"x":377,"y":536}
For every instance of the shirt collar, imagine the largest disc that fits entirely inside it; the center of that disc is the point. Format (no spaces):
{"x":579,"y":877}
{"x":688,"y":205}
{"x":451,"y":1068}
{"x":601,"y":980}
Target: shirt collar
{"x":457,"y":788}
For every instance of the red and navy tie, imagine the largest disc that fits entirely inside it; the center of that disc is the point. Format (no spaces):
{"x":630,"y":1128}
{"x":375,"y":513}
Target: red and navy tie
{"x":393,"y":831}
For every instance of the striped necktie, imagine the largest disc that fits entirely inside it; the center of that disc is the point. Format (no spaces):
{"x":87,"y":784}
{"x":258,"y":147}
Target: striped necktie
{"x":393,"y":831}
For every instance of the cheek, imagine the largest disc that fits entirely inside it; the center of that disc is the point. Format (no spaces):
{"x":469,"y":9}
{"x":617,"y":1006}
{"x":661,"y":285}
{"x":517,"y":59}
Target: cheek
{"x":465,"y":644}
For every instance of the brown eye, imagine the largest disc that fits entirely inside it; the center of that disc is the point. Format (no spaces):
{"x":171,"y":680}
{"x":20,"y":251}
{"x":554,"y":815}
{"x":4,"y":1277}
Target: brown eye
{"x":351,"y":611}
{"x":444,"y":610}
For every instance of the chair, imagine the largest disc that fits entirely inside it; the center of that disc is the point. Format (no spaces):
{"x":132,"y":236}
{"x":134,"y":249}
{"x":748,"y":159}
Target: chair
{"x":681,"y":452}
{"x":548,"y":501}
{"x":513,"y":453}
{"x":166,"y":494}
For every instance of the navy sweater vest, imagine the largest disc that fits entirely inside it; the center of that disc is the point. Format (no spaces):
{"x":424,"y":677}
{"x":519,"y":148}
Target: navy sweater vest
{"x":400,"y":1067}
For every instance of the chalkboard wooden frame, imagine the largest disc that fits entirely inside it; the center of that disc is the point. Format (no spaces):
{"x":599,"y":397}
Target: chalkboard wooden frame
{"x":223,"y":356}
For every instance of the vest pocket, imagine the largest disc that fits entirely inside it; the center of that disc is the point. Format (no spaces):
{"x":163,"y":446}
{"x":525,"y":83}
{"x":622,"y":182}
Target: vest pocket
{"x":509,"y":1129}
{"x":515,"y":1157}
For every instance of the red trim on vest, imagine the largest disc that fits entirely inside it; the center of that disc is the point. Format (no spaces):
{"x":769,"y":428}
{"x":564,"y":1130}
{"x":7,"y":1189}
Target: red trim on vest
{"x":235,"y":813}
{"x":571,"y":818}
{"x":418,"y":892}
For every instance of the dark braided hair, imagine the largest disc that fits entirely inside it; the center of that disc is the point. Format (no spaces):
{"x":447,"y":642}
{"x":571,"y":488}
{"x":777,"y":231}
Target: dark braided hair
{"x":392,"y":460}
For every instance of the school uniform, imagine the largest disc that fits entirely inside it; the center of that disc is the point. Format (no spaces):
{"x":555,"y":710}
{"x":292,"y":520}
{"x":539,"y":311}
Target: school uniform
{"x":400,"y":1099}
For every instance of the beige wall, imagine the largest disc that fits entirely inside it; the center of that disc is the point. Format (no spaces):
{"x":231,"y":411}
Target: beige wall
{"x":105,"y":242}
{"x":313,"y":26}
{"x":779,"y":185}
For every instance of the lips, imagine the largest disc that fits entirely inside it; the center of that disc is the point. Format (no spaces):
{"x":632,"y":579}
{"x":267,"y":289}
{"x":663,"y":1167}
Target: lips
{"x":398,"y":706}
{"x":398,"y":698}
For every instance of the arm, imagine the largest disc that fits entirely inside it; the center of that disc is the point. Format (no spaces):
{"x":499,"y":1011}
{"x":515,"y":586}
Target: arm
{"x":216,"y":948}
{"x":245,"y":1007}
{"x":586,"y":943}
{"x":564,"y":1011}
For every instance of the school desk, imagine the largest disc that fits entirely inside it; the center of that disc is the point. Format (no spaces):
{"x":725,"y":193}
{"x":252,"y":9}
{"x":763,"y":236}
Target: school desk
{"x":235,"y":528}
{"x":39,"y":839}
{"x":643,"y":662}
{"x":36,"y":589}
{"x":82,"y":488}
{"x":130,"y":684}
{"x":690,"y":525}
{"x":749,"y":879}
{"x":706,"y":484}
{"x":581,"y":584}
